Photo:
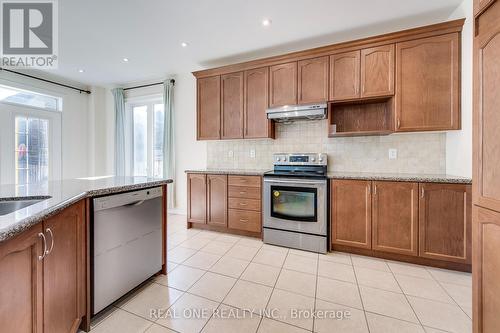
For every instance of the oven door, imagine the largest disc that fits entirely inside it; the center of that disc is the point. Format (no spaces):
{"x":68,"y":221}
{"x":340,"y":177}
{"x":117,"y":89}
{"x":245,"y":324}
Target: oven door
{"x":296,"y":204}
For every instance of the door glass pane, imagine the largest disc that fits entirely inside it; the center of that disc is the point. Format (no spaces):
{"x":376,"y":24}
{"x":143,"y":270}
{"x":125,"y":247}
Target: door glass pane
{"x":31,"y":149}
{"x":140,"y":128}
{"x":293,"y":203}
{"x":158,"y":124}
{"x":29,"y":98}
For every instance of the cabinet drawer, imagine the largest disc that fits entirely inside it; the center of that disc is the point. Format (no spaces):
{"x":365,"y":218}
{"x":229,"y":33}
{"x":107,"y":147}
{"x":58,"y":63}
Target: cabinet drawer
{"x":244,"y":192}
{"x":244,"y":220}
{"x":246,"y":204}
{"x":252,"y":181}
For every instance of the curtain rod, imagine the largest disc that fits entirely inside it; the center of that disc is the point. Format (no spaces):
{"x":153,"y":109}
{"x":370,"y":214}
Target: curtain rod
{"x":44,"y":80}
{"x":148,"y":85}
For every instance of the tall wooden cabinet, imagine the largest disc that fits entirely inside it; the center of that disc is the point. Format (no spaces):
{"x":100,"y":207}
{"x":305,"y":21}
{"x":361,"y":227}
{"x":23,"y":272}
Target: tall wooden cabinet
{"x":256,"y":101}
{"x":217,"y":200}
{"x":351,"y":209}
{"x":428,"y":83}
{"x":395,"y":217}
{"x":208,"y":108}
{"x":486,"y":178}
{"x":43,"y":275}
{"x":232,"y":106}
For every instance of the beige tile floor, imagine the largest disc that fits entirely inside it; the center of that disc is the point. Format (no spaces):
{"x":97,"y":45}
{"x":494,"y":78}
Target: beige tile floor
{"x":254,"y":287}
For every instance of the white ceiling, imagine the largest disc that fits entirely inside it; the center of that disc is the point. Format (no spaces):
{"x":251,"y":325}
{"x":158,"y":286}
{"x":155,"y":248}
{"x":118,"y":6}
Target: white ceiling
{"x":95,"y":35}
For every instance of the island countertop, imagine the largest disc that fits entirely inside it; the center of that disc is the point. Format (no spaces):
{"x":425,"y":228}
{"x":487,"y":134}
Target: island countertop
{"x":57,"y":195}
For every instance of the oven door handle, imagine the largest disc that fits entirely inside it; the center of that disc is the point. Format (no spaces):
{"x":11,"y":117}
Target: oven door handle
{"x":295,"y":181}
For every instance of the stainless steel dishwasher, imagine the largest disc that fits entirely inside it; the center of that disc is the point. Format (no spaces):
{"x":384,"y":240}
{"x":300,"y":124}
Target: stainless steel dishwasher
{"x":126,"y":243}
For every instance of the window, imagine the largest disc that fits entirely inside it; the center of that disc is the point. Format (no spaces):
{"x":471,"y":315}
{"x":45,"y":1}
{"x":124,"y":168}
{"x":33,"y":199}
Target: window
{"x":30,"y":136}
{"x":146,"y":153}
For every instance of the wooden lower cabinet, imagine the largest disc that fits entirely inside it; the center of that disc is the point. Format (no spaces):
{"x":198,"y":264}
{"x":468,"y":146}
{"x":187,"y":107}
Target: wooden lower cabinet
{"x":197,"y":198}
{"x":351,"y":213}
{"x":445,"y":222}
{"x":217,"y":200}
{"x":244,"y":220}
{"x":395,"y":217}
{"x":486,"y":270}
{"x":44,"y":292}
{"x":21,"y":283}
{"x":64,"y":270}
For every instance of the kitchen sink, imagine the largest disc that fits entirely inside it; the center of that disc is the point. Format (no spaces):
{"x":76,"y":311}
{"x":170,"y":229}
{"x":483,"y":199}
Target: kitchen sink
{"x":10,"y":206}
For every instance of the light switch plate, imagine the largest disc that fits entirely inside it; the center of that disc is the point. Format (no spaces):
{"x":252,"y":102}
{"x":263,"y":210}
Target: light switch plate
{"x":252,"y":153}
{"x":393,"y":154}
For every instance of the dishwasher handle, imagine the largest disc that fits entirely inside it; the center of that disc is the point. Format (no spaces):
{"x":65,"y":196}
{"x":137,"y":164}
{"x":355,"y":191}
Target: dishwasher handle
{"x":136,"y":203}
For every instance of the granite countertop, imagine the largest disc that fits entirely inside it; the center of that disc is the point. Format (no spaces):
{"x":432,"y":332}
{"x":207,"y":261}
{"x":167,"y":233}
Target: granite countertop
{"x":58,"y":195}
{"x":406,"y":177}
{"x":240,"y":172}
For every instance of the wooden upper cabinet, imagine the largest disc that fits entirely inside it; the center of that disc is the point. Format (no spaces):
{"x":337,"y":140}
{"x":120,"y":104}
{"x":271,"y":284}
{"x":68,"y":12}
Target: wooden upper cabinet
{"x":445,"y":213}
{"x":283,"y":84}
{"x":377,"y":71}
{"x":64,"y":270}
{"x":197,"y":198}
{"x":21,"y":282}
{"x":395,"y":217}
{"x":217,"y":200}
{"x":351,"y":213}
{"x":208,"y":108}
{"x":486,"y":109}
{"x":485,"y":270}
{"x":313,"y":80}
{"x":344,"y":75}
{"x":232,"y":106}
{"x":256,"y":102}
{"x":428,"y":83}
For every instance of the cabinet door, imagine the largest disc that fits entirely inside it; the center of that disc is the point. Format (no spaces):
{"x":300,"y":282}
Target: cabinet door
{"x":283,"y":84}
{"x":313,"y":80}
{"x":377,"y":71}
{"x":445,"y":213}
{"x":256,"y":102}
{"x":232,"y":106}
{"x":208,"y":108}
{"x":486,"y":109}
{"x":395,"y":217}
{"x":480,"y":5}
{"x":351,"y":213}
{"x":217,"y":200}
{"x":486,"y":270}
{"x":344,"y":75}
{"x":428,"y":82}
{"x":64,"y":270}
{"x":197,"y":198}
{"x":21,"y":284}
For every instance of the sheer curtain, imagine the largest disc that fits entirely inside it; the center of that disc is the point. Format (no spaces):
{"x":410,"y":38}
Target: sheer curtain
{"x":119,"y":98}
{"x":168,"y":139}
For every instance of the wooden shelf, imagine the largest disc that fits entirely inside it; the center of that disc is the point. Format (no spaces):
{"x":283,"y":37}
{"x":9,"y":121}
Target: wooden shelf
{"x":361,"y":118}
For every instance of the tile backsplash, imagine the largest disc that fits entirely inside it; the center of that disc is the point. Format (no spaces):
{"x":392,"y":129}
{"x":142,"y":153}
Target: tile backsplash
{"x":416,"y":152}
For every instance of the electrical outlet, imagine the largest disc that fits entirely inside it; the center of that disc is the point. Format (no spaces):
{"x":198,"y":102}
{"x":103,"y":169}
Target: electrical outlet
{"x":252,"y":153}
{"x":230,"y":154}
{"x":393,"y":154}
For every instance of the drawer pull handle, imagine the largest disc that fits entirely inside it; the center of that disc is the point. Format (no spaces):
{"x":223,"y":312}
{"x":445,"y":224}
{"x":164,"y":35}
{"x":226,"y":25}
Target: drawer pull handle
{"x":49,"y":251}
{"x":243,"y":192}
{"x":243,"y":220}
{"x":42,"y":236}
{"x":242,"y":204}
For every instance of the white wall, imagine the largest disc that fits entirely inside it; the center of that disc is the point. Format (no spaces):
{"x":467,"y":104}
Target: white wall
{"x":74,"y":122}
{"x":459,"y":143}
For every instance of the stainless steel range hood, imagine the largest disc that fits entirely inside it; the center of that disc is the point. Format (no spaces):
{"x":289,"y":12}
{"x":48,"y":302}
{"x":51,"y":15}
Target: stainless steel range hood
{"x":290,"y":113}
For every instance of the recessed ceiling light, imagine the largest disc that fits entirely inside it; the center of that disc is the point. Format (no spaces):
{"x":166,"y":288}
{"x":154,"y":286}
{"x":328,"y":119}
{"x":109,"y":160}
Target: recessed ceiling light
{"x":81,"y":71}
{"x":125,"y":59}
{"x":184,"y":44}
{"x":266,"y":22}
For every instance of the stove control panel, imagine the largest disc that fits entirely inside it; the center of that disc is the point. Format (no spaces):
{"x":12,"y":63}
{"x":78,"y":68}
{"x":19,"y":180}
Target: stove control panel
{"x":300,"y":159}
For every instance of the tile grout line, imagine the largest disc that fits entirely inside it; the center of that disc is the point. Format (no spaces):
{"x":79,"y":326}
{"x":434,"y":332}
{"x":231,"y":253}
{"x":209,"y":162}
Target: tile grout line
{"x":315,"y":293}
{"x":360,"y":296}
{"x":406,"y":297}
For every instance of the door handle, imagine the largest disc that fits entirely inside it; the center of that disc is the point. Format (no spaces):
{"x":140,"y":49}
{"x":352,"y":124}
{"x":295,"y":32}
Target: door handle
{"x":42,"y":236}
{"x":422,"y":194}
{"x":51,"y":240}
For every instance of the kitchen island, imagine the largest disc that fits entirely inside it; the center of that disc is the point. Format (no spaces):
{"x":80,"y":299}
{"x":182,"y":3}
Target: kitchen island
{"x":45,"y":250}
